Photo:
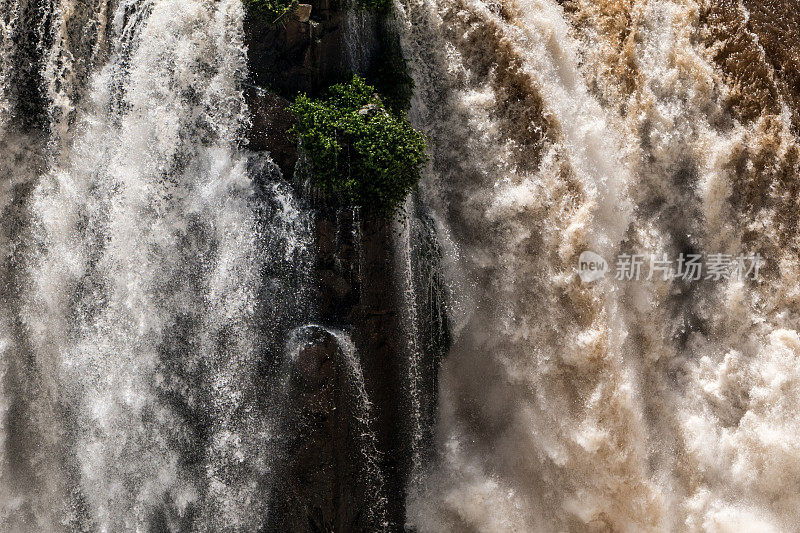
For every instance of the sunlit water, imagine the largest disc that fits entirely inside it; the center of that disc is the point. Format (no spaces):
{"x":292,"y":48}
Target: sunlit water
{"x":619,"y":405}
{"x":152,"y":270}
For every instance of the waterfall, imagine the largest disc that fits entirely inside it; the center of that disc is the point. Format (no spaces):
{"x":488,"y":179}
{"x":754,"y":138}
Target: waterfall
{"x":146,"y":278}
{"x":360,"y":37}
{"x":136,"y":353}
{"x":425,"y":326}
{"x":560,"y":127}
{"x":193,"y":338}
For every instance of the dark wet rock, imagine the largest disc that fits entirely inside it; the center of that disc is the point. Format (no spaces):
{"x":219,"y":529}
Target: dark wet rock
{"x":324,"y":484}
{"x":303,"y":12}
{"x":297,"y":55}
{"x":377,"y":335}
{"x":270,"y":120}
{"x":321,"y":485}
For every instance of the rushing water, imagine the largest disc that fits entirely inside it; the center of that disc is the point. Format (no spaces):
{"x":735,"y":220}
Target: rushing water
{"x":635,"y":126}
{"x":158,"y":308}
{"x":133,"y":354}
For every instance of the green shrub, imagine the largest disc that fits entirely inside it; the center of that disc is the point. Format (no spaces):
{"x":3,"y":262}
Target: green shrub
{"x":269,"y":11}
{"x":360,"y":152}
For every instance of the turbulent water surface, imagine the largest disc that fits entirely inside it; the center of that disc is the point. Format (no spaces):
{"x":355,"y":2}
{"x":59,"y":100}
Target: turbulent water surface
{"x":614,"y":126}
{"x":155,"y":276}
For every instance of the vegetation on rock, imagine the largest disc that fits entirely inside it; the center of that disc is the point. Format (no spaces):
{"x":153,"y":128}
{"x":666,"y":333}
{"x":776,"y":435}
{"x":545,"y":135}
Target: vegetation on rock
{"x":360,"y":151}
{"x":269,"y":10}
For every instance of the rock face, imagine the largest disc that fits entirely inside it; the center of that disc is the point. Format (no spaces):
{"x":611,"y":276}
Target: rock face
{"x":300,"y":53}
{"x":322,"y":484}
{"x":270,"y":119}
{"x":376,"y":333}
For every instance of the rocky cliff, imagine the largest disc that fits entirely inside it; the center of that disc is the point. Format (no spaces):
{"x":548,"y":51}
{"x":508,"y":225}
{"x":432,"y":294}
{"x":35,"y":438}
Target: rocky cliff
{"x":322,"y":485}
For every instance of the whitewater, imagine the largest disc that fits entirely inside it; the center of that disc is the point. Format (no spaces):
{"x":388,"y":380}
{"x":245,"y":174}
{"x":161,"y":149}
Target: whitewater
{"x":612,"y":127}
{"x":157,"y":292}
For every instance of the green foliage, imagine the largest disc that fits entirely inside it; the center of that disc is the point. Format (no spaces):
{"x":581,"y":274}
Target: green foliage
{"x":360,"y":152}
{"x":270,"y":11}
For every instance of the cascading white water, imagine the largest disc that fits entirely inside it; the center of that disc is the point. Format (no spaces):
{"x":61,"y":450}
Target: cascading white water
{"x":143,"y":283}
{"x":602,"y":126}
{"x":151,"y":272}
{"x":10,"y":14}
{"x":360,"y":38}
{"x":150,"y":265}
